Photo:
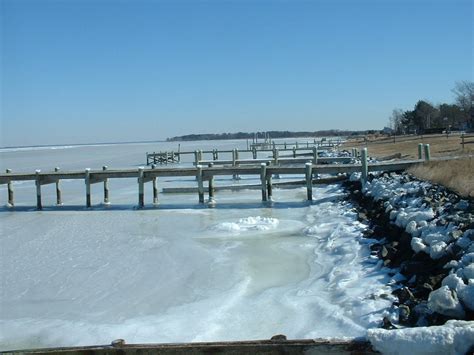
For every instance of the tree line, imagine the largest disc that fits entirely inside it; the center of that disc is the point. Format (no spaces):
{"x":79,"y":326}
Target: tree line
{"x":428,"y":118}
{"x":262,"y":135}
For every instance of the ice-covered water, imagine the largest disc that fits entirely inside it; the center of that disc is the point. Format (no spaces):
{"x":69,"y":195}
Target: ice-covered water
{"x":180,"y":272}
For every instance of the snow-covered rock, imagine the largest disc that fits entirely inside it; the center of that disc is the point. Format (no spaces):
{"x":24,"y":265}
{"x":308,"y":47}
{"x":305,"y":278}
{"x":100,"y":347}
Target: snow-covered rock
{"x":455,"y":337}
{"x":445,"y":301}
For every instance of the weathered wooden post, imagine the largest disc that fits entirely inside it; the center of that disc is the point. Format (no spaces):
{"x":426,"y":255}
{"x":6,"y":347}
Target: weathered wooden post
{"x":275,"y":156}
{"x":39,"y":205}
{"x":106,"y":187}
{"x":269,"y":186}
{"x":364,"y":172}
{"x":284,"y":145}
{"x":155,"y":187}
{"x":420,"y":150}
{"x":462,"y":141}
{"x":309,"y":180}
{"x":58,"y":190}
{"x":196,"y":158}
{"x":200,"y":154}
{"x":87,"y":180}
{"x":235,"y":157}
{"x":427,"y":152}
{"x":141,"y":187}
{"x":200,"y":183}
{"x":254,"y":152}
{"x":211,"y":186}
{"x":247,"y":144}
{"x":10,"y":191}
{"x":179,"y":152}
{"x":263,"y":179}
{"x":294,"y":152}
{"x":315,"y":155}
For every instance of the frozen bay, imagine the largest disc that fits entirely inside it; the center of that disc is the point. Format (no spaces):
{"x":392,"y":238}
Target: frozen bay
{"x":242,"y":270}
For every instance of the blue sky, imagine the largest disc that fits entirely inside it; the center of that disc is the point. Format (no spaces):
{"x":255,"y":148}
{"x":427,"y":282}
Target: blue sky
{"x":101,"y":71}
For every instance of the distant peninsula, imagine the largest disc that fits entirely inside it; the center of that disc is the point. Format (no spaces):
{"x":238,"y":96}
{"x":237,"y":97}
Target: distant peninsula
{"x":271,"y":134}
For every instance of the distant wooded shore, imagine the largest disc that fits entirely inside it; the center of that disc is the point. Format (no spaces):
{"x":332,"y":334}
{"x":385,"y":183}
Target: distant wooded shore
{"x":271,"y":134}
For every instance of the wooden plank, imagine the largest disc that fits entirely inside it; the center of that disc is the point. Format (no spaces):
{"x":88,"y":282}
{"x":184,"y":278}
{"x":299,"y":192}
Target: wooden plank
{"x":267,"y":347}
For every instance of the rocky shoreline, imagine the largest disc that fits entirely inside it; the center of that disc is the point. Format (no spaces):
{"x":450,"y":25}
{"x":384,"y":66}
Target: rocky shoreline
{"x":425,"y":234}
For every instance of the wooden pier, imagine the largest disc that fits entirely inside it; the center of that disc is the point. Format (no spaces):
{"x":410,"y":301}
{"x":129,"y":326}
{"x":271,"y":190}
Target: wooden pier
{"x":214,"y":154}
{"x":202,"y":173}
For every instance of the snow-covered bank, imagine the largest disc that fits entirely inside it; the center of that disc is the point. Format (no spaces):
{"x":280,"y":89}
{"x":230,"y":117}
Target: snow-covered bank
{"x":425,"y":234}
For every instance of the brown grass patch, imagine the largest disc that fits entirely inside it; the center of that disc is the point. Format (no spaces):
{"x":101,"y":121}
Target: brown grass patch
{"x":458,"y":175}
{"x":408,"y":145}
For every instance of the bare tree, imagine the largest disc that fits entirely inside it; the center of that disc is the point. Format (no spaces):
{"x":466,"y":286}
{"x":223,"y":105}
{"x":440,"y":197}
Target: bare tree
{"x":464,"y":92}
{"x":396,"y":120}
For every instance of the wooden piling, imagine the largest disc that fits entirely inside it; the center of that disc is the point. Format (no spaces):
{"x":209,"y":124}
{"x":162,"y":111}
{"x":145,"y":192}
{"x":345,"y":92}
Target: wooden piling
{"x":420,"y":150}
{"x":196,"y":157}
{"x":211,"y":186}
{"x":141,"y":188}
{"x":235,"y":157}
{"x":315,"y":155}
{"x":179,"y":153}
{"x":58,"y":190}
{"x":427,"y":152}
{"x":200,"y":183}
{"x":269,"y":186}
{"x":276,"y":156}
{"x":155,"y":187}
{"x":254,"y":152}
{"x":294,"y":152}
{"x":462,"y":141}
{"x":309,"y":180}
{"x":39,"y":205}
{"x":263,"y":179}
{"x":106,"y":187}
{"x":88,"y":187}
{"x":11,"y":201}
{"x":364,"y":172}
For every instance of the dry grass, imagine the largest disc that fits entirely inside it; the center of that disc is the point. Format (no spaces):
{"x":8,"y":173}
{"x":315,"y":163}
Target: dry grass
{"x":457,"y":175}
{"x":408,"y":145}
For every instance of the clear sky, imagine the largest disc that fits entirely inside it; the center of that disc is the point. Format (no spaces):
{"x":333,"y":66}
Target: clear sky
{"x":77,"y":71}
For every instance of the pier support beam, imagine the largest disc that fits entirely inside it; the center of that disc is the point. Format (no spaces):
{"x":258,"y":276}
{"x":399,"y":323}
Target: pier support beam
{"x":315,"y":155}
{"x":58,"y":190}
{"x":141,"y":188}
{"x":11,"y":201}
{"x":364,"y":172}
{"x":39,"y":205}
{"x":155,"y":187}
{"x":211,"y":186}
{"x":269,"y":186}
{"x":200,"y":184}
{"x":263,"y":179}
{"x":309,"y":180}
{"x":235,"y":157}
{"x":87,"y":180}
{"x":106,"y":188}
